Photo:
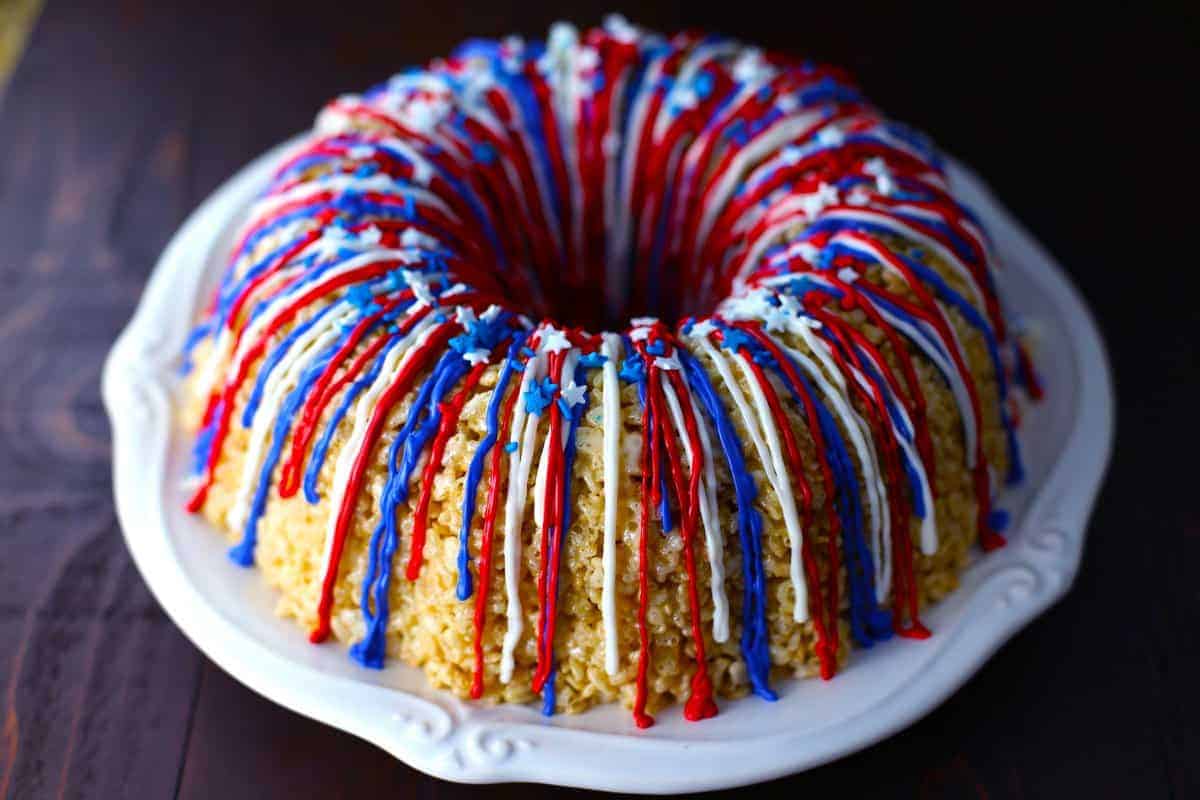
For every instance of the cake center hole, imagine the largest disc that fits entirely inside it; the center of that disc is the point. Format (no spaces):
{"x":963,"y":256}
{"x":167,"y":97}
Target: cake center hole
{"x":599,"y":304}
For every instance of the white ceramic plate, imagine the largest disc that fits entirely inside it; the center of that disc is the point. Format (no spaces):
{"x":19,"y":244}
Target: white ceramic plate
{"x":227,"y":611}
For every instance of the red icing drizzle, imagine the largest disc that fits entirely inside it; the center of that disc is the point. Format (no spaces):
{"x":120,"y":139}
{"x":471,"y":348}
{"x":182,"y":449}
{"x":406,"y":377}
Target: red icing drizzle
{"x":398,"y":389}
{"x":490,"y":513}
{"x":450,"y":414}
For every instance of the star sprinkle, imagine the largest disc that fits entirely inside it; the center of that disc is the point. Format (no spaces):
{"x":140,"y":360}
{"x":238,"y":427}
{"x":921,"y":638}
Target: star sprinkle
{"x":592,"y":360}
{"x":774,"y":318}
{"x":413,"y":239}
{"x":808,"y":251}
{"x":751,"y":67}
{"x":632,"y":369}
{"x":539,"y":396}
{"x":639,"y":334}
{"x":465,"y":316}
{"x":670,"y":363}
{"x":813,"y":204}
{"x":620,"y":29}
{"x":884,"y":181}
{"x":831,"y":136}
{"x":573,"y":393}
{"x":791,"y":155}
{"x":474,"y":357}
{"x":420,"y":287}
{"x":370,"y":236}
{"x":553,"y":341}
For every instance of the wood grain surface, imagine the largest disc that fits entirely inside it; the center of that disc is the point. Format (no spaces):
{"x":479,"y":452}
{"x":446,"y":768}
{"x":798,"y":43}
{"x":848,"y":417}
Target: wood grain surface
{"x":122,"y":116}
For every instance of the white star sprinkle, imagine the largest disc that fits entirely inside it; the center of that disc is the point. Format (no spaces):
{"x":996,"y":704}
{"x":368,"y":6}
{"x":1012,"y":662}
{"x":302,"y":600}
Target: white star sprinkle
{"x":370,"y":236}
{"x":790,"y":305}
{"x":885,"y":184}
{"x":670,"y":363}
{"x":884,"y":181}
{"x":750,"y":67}
{"x":874,"y":166}
{"x":464,"y":315}
{"x":775,"y":318}
{"x":610,"y":143}
{"x":857,"y":197}
{"x":791,"y":155}
{"x":808,"y":251}
{"x":413,"y":239}
{"x":815,"y":203}
{"x":553,"y":341}
{"x":420,"y":287}
{"x":587,"y":59}
{"x":573,"y":393}
{"x":847,"y":275}
{"x":330,"y":243}
{"x":686,"y":98}
{"x":425,"y":114}
{"x":474,"y":357}
{"x":831,"y":136}
{"x":620,"y":29}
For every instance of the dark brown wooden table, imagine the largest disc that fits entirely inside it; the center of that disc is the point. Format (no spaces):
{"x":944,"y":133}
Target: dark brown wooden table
{"x":123,"y":115}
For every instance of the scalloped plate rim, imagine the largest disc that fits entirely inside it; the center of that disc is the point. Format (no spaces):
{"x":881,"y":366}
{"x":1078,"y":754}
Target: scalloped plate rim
{"x":455,"y":741}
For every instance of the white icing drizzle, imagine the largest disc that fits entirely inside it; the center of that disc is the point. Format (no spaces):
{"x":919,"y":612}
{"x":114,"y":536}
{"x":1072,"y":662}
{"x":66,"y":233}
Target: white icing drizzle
{"x":277,"y":304}
{"x":612,"y":349}
{"x":777,"y":475}
{"x":282,"y":380}
{"x":539,"y":484}
{"x":524,"y":432}
{"x":709,"y":515}
{"x":833,"y":386}
{"x":783,"y":488}
{"x":398,"y":355}
{"x":779,"y":134}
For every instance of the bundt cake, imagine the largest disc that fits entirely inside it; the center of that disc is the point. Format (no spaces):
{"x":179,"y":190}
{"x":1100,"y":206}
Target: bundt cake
{"x":408,"y":417}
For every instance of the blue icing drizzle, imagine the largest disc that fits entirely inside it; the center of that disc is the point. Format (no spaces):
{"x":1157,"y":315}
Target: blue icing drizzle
{"x":868,"y":622}
{"x":385,"y":538}
{"x":447,"y":372}
{"x":321,"y":448}
{"x":755,"y":640}
{"x":464,"y":588}
{"x":198,"y":334}
{"x":914,"y":481}
{"x":574,"y":415}
{"x":243,"y":552}
{"x":202,"y":447}
{"x":272,"y":360}
{"x":973,"y":317}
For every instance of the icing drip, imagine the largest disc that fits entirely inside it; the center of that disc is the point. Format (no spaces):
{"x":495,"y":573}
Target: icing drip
{"x":612,"y":350}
